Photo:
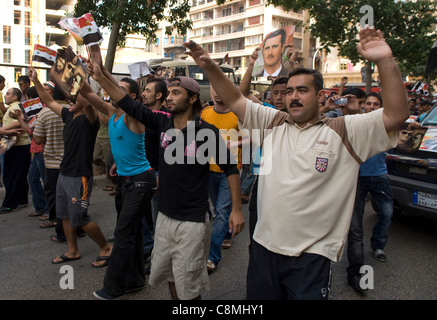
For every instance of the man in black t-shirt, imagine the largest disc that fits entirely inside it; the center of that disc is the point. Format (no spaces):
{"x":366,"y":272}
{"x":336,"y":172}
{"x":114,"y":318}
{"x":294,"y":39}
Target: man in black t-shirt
{"x":76,"y":174}
{"x":182,"y":229}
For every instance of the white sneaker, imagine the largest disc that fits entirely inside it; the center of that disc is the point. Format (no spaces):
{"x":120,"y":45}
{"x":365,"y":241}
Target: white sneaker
{"x":210,"y":266}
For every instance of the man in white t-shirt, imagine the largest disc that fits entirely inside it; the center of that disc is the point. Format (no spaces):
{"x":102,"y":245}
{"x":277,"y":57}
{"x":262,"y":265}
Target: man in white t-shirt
{"x":308,"y":161}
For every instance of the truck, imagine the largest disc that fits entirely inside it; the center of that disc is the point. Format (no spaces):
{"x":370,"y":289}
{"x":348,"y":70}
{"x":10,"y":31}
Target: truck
{"x":412,"y":168}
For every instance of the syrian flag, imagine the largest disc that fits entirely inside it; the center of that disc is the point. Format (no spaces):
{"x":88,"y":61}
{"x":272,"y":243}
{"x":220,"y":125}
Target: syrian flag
{"x":223,"y":60}
{"x":432,"y":60}
{"x":31,"y":108}
{"x":89,"y":30}
{"x":72,"y":26}
{"x":420,"y":87}
{"x":43,"y":54}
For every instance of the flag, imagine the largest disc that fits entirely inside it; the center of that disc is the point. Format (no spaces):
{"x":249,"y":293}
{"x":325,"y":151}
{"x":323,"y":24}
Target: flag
{"x":432,"y":60}
{"x":72,"y":26}
{"x":43,"y":54}
{"x":31,"y":108}
{"x":89,"y":30}
{"x":224,"y":60}
{"x":420,"y":88}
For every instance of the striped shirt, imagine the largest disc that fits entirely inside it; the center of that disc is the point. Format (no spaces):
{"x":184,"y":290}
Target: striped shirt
{"x":50,"y":127}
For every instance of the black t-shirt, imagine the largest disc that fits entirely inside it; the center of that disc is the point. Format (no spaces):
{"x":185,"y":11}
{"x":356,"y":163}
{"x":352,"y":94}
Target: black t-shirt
{"x":183,"y":180}
{"x":152,"y":144}
{"x":79,"y":140}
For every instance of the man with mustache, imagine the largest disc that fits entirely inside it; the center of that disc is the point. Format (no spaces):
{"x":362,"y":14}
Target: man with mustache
{"x":308,"y":161}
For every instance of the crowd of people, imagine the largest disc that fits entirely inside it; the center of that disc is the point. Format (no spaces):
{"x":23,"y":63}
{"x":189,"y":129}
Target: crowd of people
{"x":305,"y":150}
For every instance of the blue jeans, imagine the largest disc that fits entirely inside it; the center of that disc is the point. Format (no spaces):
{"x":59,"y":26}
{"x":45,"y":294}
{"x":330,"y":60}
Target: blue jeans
{"x":220,"y":196}
{"x":35,"y":175}
{"x":380,"y":190}
{"x":247,"y":178}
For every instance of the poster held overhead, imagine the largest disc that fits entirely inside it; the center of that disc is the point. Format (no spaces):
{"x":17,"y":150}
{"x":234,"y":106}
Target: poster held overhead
{"x":273,"y":60}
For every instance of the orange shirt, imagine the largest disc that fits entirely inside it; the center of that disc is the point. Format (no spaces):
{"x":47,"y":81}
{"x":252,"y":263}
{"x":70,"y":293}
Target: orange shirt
{"x":227,"y":123}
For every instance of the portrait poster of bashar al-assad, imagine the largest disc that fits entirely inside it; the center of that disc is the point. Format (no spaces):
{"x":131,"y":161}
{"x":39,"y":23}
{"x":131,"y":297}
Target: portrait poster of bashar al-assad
{"x":272,"y":58}
{"x":410,"y":138}
{"x":68,"y":73}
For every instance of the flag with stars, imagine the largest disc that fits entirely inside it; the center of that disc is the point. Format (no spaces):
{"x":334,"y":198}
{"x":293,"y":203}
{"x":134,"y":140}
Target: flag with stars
{"x":72,"y":26}
{"x":43,"y":54}
{"x":89,"y":30}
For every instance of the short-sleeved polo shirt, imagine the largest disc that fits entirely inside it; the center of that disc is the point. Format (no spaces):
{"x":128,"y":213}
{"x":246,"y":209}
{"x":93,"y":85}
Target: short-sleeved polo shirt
{"x":308,"y":177}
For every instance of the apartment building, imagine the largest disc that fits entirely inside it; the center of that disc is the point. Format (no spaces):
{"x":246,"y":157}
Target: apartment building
{"x":25,"y":23}
{"x":237,"y":27}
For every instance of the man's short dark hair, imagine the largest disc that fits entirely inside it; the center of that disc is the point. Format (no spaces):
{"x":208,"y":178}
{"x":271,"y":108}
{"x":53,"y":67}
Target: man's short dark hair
{"x":133,"y":86}
{"x":2,"y":79}
{"x":16,"y":92}
{"x":355,"y":91}
{"x":160,"y":86}
{"x":279,"y":32}
{"x":317,"y":76}
{"x":24,"y":79}
{"x":32,"y":93}
{"x":376,"y":95}
{"x":281,"y":80}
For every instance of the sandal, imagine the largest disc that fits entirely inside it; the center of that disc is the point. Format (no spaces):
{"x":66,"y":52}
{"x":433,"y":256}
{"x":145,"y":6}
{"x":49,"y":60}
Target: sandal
{"x":47,"y":224}
{"x":101,"y":258}
{"x":108,"y":188}
{"x":34,"y":214}
{"x":113,"y":193}
{"x":44,"y":217}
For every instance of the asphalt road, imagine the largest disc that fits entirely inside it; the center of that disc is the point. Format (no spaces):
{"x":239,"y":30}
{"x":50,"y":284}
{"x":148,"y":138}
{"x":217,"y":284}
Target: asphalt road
{"x":26,"y":271}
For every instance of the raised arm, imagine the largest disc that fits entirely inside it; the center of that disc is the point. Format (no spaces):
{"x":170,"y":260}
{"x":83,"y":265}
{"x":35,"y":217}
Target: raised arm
{"x":45,"y":97}
{"x":225,"y":89}
{"x":247,"y":79}
{"x":374,"y":48}
{"x":111,"y":88}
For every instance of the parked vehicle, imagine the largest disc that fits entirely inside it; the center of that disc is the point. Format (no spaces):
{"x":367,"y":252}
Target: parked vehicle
{"x":188,"y":68}
{"x":412,"y":168}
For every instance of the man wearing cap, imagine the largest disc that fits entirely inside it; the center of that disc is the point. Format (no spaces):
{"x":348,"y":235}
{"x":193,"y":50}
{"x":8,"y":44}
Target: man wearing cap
{"x":183,"y":225}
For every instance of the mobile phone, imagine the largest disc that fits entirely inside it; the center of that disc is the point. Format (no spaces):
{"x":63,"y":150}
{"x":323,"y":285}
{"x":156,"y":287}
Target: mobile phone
{"x":340,"y":101}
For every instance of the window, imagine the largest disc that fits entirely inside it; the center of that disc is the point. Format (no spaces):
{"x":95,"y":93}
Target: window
{"x":7,"y":55}
{"x":6,"y":34}
{"x":27,"y":36}
{"x":157,"y":41}
{"x":343,"y":66}
{"x":17,"y":2}
{"x":254,"y":20}
{"x":27,"y":3}
{"x":27,"y":56}
{"x":254,"y":2}
{"x":17,"y":17}
{"x":254,"y":39}
{"x":27,"y":18}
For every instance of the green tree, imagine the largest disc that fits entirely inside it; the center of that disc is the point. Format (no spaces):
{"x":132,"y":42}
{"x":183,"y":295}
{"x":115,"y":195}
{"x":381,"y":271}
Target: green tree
{"x":407,"y":27}
{"x":125,"y":17}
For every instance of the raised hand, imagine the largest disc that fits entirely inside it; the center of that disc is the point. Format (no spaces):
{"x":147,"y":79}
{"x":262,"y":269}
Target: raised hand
{"x":373,"y":46}
{"x":200,"y":56}
{"x":254,"y":56}
{"x":31,"y":73}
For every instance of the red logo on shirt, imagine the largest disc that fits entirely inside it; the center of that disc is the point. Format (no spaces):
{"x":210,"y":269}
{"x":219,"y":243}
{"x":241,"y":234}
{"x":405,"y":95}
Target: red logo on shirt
{"x":321,"y":164}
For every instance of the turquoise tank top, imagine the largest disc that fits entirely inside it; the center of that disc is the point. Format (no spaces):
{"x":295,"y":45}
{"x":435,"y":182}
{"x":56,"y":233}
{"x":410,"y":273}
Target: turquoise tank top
{"x":127,"y":148}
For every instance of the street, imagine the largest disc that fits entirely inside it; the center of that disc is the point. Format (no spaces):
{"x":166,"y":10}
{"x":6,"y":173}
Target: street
{"x":27,"y":273}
